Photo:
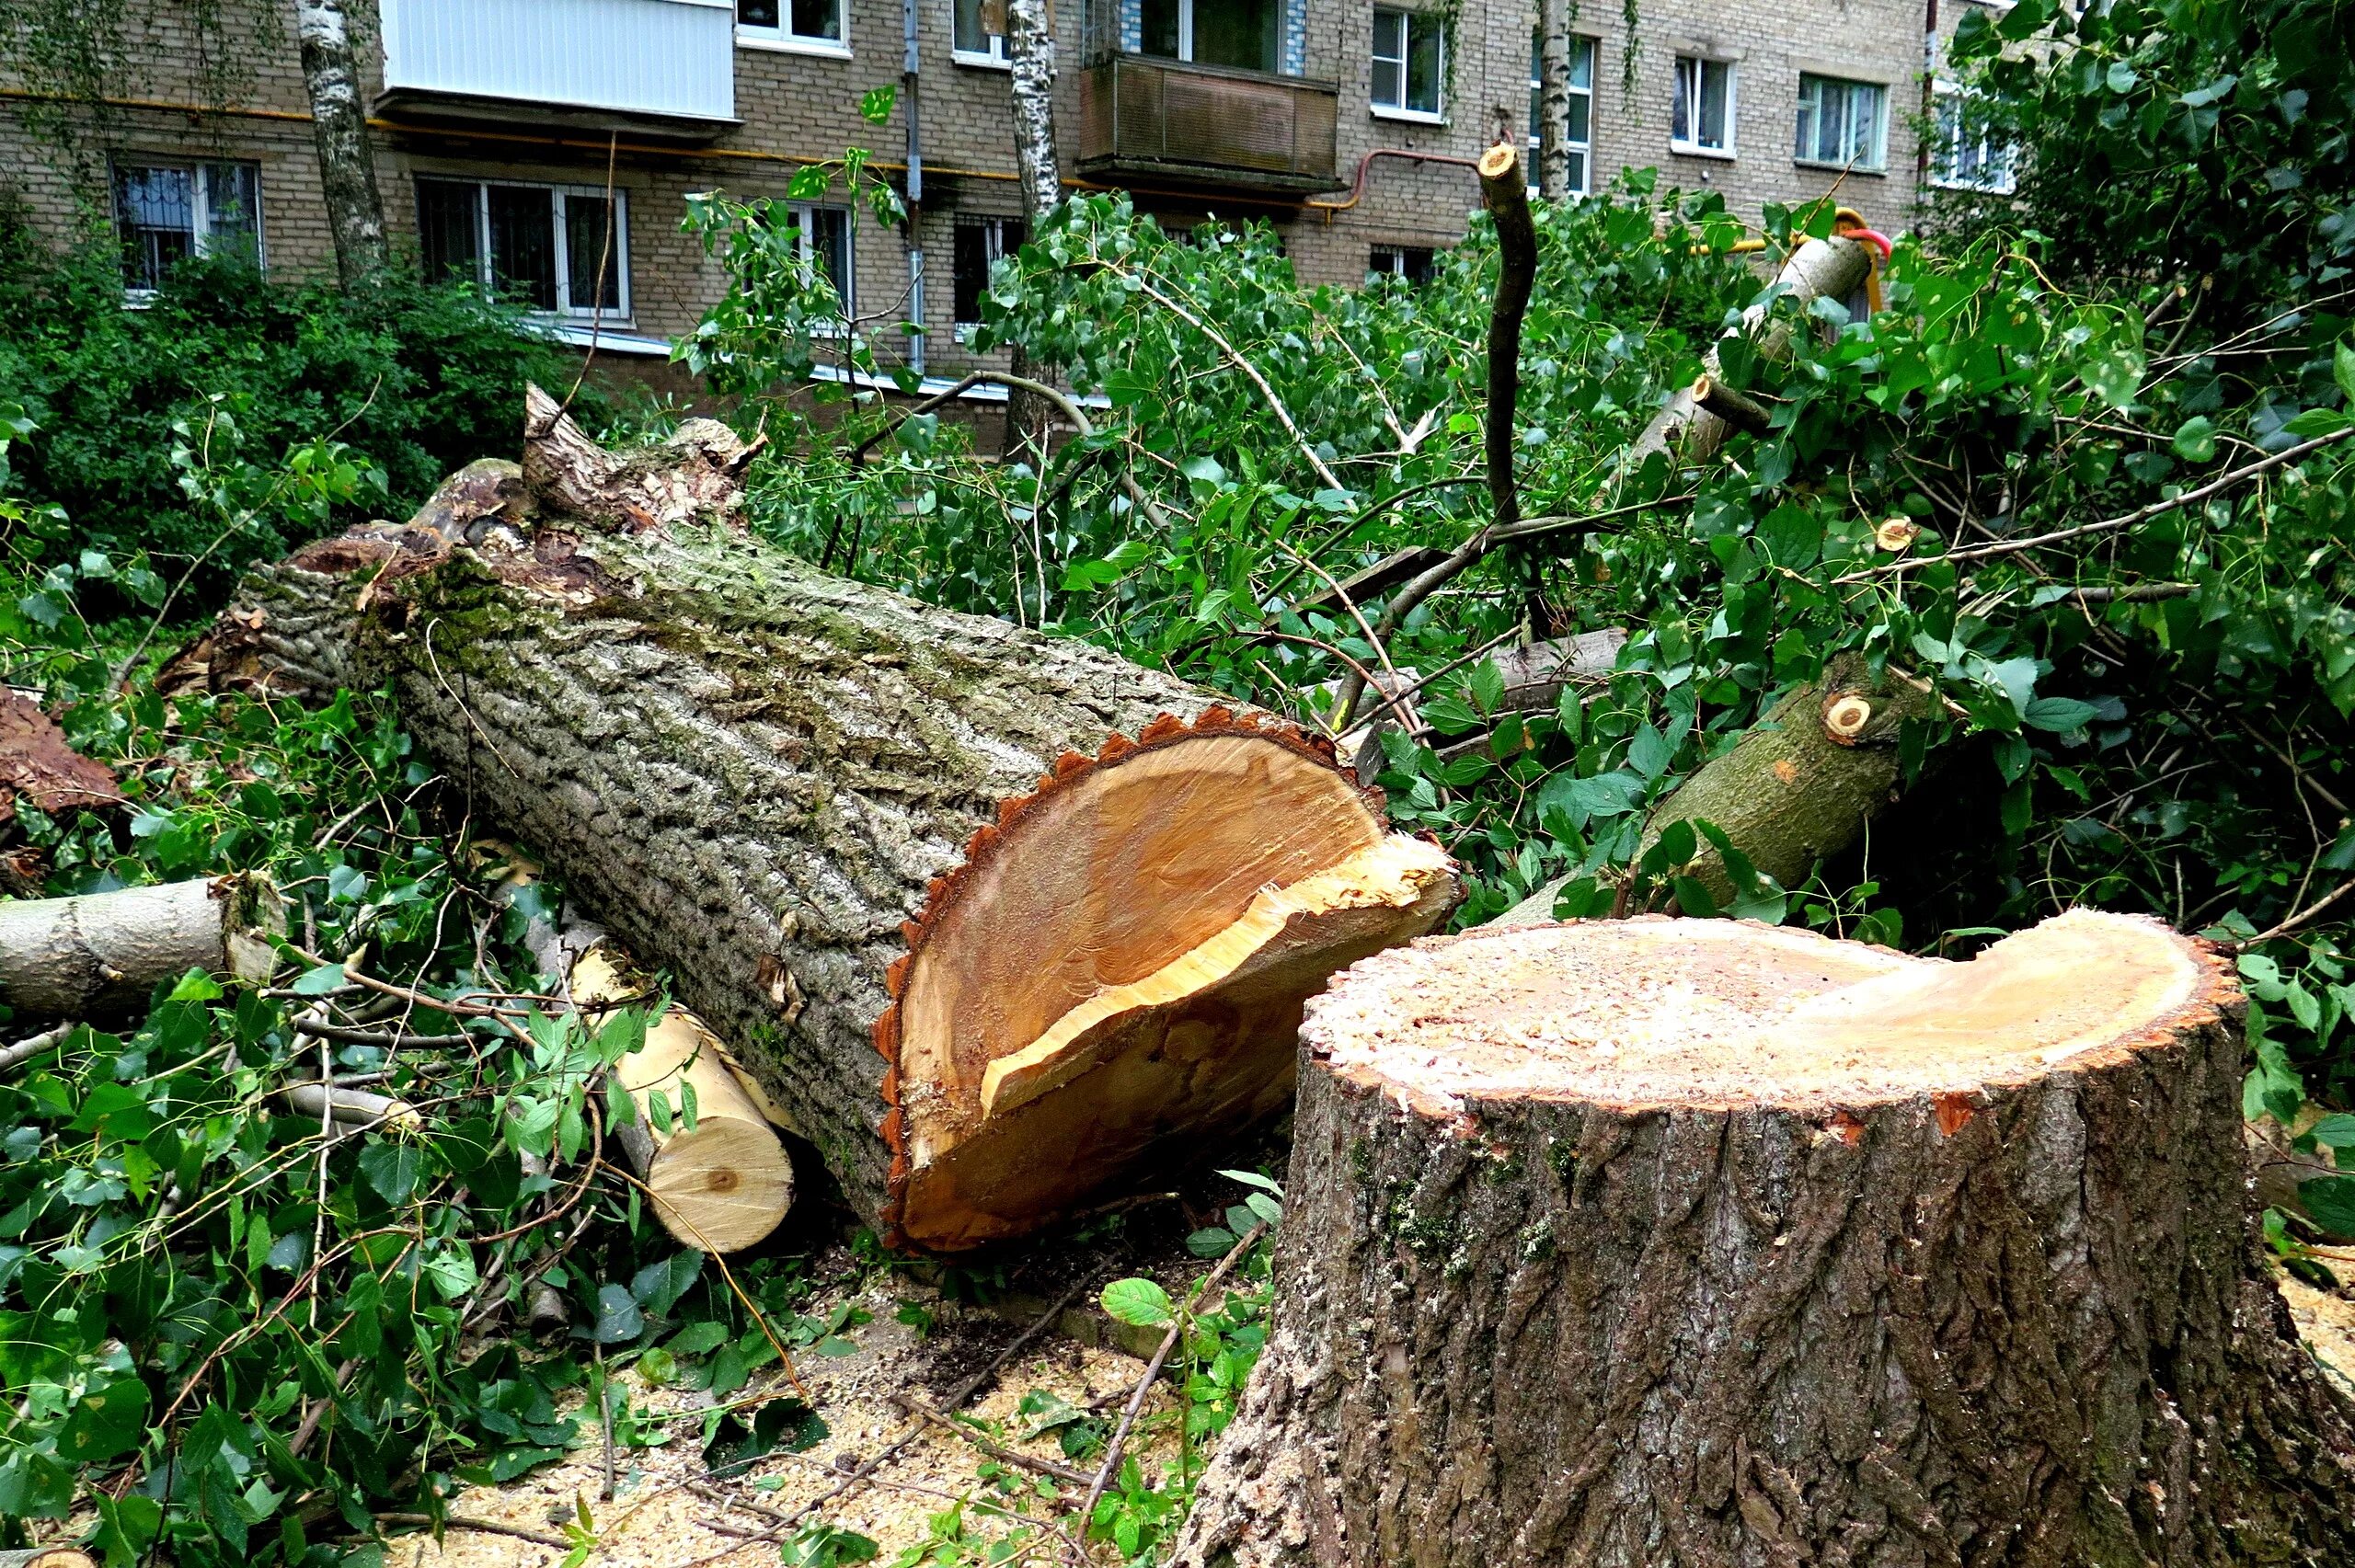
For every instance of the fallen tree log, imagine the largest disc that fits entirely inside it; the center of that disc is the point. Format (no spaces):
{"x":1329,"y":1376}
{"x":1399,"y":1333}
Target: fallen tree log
{"x":99,"y":958}
{"x":1699,"y":1241}
{"x":1796,"y":788}
{"x":998,"y":920}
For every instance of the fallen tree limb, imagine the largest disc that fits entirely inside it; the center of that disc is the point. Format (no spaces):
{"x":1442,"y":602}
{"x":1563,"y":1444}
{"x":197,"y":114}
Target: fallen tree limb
{"x":1504,"y":191}
{"x":998,"y":921}
{"x":1796,"y":788}
{"x":1606,"y":1236}
{"x":1821,"y":269}
{"x":101,"y":955}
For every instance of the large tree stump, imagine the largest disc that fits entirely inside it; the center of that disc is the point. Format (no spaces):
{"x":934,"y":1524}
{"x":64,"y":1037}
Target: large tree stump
{"x":1704,"y":1242}
{"x":998,"y":920}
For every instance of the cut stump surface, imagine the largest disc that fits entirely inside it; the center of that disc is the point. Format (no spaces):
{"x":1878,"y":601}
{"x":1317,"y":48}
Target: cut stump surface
{"x":1708,"y":1243}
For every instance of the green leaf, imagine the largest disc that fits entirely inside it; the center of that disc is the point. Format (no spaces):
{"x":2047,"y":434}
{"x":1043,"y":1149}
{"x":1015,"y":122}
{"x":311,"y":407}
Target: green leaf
{"x":2123,"y":77}
{"x":618,"y":1317}
{"x":392,"y":1168}
{"x":2342,"y":370}
{"x":1694,"y":898}
{"x":1792,"y":535}
{"x":2195,"y":439}
{"x":1139,"y":1303}
{"x":127,"y":1527}
{"x":658,"y":1285}
{"x":875,"y":104}
{"x":321,"y":980}
{"x":1213,"y":1243}
{"x":2334,"y":1131}
{"x":2316,"y":422}
{"x":2331,"y":1202}
{"x":1254,"y":1179}
{"x":2059,"y":715}
{"x":698,"y":1339}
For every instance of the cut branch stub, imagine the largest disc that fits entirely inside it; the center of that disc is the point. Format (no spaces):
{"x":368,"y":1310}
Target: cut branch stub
{"x":1620,"y":1243}
{"x":846,"y":823}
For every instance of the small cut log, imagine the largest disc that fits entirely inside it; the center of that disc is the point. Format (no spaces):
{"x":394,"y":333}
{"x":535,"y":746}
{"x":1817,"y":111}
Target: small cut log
{"x":881,"y":848}
{"x":101,"y":957}
{"x":1701,"y":1242}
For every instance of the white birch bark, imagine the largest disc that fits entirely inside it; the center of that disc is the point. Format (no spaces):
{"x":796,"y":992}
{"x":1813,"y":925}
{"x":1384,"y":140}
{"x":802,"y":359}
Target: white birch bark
{"x":1554,"y":97}
{"x":340,"y":126}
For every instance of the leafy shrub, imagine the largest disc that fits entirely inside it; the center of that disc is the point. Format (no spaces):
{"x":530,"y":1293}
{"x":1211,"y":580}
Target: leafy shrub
{"x":415,"y":380}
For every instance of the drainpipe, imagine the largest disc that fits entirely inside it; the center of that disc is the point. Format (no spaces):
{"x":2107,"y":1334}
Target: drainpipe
{"x":910,"y":62}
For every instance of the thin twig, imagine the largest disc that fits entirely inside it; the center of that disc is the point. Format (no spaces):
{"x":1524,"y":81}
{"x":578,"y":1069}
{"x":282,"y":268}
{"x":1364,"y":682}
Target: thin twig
{"x":923,"y":1411}
{"x":2110,"y":524}
{"x":1111,"y":1464}
{"x":479,"y":1525}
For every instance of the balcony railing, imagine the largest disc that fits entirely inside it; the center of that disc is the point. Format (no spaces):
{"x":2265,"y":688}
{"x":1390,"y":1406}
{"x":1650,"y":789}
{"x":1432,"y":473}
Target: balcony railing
{"x":1143,"y":118}
{"x":663,"y":61}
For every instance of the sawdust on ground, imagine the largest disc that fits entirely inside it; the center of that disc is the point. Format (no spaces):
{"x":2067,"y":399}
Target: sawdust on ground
{"x":665,"y":1514}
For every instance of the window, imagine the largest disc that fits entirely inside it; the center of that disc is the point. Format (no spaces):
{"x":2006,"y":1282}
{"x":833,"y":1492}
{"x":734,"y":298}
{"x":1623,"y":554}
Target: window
{"x":545,"y":246}
{"x":1703,"y":118}
{"x":822,"y":236}
{"x":979,"y":243}
{"x":1971,"y":153}
{"x":166,"y":212}
{"x":1844,"y":123}
{"x":1407,"y":65}
{"x":808,"y":25}
{"x":1580,"y":141}
{"x":1413,"y":263}
{"x":1240,"y":33}
{"x":979,"y":35}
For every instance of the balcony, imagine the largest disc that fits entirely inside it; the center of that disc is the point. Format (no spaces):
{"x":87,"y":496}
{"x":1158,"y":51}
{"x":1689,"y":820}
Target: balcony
{"x":1142,"y":118}
{"x":664,"y":68}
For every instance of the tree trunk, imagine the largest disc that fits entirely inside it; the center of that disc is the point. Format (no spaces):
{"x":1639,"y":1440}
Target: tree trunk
{"x":1030,"y":47}
{"x":1796,"y":788}
{"x":1554,"y":99}
{"x":1821,"y":269}
{"x":999,"y":921}
{"x":1706,"y":1242}
{"x":101,"y":957}
{"x":340,"y":126}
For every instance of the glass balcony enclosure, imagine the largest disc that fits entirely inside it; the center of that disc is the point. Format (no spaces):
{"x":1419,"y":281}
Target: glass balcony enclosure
{"x":649,"y":66}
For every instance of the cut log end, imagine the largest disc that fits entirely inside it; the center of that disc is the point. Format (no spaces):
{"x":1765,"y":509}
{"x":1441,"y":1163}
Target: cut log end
{"x":1120,"y":967}
{"x":1499,"y":161}
{"x":1720,"y":1014}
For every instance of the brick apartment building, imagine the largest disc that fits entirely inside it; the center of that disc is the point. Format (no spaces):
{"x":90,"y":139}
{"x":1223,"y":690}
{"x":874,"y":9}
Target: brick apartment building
{"x":1346,"y":123}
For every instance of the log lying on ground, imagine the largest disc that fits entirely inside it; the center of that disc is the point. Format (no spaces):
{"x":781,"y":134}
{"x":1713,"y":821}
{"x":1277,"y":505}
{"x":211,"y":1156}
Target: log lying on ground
{"x":99,"y":958}
{"x":1708,"y":1243}
{"x":881,"y":848}
{"x":1796,"y":788}
{"x":1821,"y":269}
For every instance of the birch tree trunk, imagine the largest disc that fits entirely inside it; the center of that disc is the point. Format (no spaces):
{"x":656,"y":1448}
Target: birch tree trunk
{"x":339,"y":127}
{"x":1554,"y":99}
{"x":1631,"y":1243}
{"x":1031,"y":44}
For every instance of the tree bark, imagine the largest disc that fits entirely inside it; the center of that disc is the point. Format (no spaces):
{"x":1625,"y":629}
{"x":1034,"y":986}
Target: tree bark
{"x":339,"y":127}
{"x":998,"y":920}
{"x":1629,"y":1243}
{"x":1796,"y":788}
{"x":1554,"y":99}
{"x":101,"y":957}
{"x":1030,"y":49}
{"x":1821,"y":269}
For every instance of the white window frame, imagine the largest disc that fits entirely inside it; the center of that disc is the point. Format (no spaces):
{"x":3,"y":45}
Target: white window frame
{"x":1942,"y":154}
{"x":1584,"y":149}
{"x":805,"y":227}
{"x":1411,"y":17}
{"x":1876,"y":161}
{"x":996,"y":57}
{"x":994,"y":225}
{"x":1701,"y":64}
{"x":784,"y":40}
{"x":199,"y":172}
{"x":621,"y":313}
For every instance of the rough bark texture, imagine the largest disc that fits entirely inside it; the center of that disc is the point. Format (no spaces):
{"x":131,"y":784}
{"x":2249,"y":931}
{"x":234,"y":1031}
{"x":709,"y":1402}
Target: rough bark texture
{"x":1792,"y":791}
{"x":339,"y":127}
{"x":101,"y":957}
{"x":1819,"y":269}
{"x":1504,"y":191}
{"x":774,"y":783}
{"x":2022,"y":1325}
